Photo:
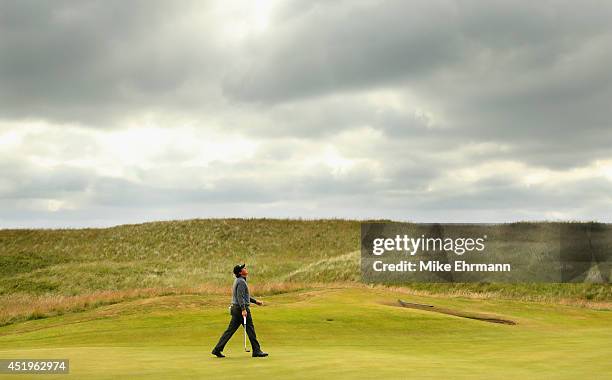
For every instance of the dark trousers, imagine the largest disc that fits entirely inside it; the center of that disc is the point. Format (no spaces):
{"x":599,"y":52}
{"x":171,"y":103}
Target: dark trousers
{"x":234,"y":324}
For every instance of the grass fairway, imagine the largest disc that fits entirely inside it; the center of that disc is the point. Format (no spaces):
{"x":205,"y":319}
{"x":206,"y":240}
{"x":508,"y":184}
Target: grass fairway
{"x":336,"y":332}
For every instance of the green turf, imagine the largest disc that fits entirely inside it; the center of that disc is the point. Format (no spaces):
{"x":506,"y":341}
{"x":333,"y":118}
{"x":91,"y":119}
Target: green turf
{"x":354,"y":332}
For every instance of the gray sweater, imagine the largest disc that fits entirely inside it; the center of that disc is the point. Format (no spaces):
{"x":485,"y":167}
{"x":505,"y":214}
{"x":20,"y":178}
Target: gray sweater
{"x":240,"y":293}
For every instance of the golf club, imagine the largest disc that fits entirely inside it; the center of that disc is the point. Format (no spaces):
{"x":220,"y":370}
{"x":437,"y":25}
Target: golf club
{"x":245,"y":334}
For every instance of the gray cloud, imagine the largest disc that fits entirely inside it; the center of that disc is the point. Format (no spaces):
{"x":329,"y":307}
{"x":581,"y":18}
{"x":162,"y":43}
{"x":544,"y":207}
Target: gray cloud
{"x":519,"y":72}
{"x":23,"y":181}
{"x":94,"y":61}
{"x":354,"y":109}
{"x":110,"y":200}
{"x":330,"y":47}
{"x":333,"y":47}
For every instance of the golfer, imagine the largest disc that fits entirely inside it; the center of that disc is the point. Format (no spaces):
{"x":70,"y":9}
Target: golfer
{"x":241,"y":299}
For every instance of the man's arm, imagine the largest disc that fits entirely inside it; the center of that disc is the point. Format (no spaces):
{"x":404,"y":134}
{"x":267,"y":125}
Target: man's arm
{"x":240,"y":293}
{"x":253,"y":300}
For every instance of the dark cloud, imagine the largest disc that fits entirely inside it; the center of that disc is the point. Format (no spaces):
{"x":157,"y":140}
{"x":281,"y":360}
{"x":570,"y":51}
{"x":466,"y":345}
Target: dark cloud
{"x":528,"y":74}
{"x":333,"y":47}
{"x":327,"y":116}
{"x":546,"y":200}
{"x":357,"y":109}
{"x":337,"y":46}
{"x":92,"y":62}
{"x":106,"y":200}
{"x":25,"y":181}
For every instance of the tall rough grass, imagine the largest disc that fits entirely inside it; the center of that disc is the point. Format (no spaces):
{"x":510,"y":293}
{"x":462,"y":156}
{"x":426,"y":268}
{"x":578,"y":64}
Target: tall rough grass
{"x":21,"y":307}
{"x":50,"y":272}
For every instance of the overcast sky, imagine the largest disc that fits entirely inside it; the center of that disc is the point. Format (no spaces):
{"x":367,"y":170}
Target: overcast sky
{"x":433,"y":111}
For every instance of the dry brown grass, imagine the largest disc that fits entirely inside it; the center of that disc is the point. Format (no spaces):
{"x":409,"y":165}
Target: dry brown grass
{"x":21,"y":307}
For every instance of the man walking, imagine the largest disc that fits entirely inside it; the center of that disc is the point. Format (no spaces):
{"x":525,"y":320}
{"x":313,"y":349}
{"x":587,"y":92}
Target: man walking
{"x":241,"y":299}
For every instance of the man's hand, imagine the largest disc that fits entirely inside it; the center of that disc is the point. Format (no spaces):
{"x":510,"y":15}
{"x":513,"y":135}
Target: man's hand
{"x":244,"y":313}
{"x":259,"y":303}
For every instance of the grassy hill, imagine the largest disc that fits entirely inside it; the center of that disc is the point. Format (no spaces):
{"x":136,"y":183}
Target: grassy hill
{"x":48,"y":272}
{"x":168,"y":254}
